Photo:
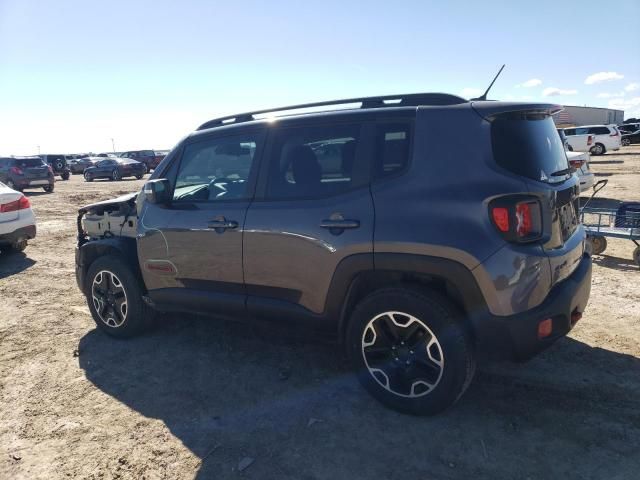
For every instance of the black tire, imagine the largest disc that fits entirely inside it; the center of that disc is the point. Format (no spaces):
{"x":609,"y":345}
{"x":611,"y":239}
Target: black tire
{"x":139,"y":177}
{"x":636,"y":255}
{"x":570,"y":148}
{"x":48,"y":188}
{"x":137,"y":317}
{"x":598,"y":149}
{"x":65,"y":176}
{"x":19,"y":245}
{"x":626,"y":142}
{"x":598,"y":245}
{"x":88,"y":177}
{"x":115,"y":175}
{"x":442,"y":320}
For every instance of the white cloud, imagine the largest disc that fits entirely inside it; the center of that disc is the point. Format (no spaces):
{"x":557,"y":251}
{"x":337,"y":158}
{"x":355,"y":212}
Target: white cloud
{"x":610,"y":95}
{"x":602,"y":77}
{"x":554,"y":92}
{"x":632,"y":87}
{"x":534,"y":82}
{"x":471,"y":92}
{"x":631,"y":106}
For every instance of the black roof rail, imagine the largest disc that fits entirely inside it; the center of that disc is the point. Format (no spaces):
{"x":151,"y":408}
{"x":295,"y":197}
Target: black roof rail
{"x":403,"y":100}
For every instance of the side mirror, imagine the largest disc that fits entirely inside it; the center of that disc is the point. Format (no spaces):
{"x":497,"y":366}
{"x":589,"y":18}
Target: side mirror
{"x":157,"y":191}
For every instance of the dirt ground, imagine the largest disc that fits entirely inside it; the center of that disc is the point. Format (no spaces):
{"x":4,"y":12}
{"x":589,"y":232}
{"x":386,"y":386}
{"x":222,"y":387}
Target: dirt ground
{"x":210,"y":399}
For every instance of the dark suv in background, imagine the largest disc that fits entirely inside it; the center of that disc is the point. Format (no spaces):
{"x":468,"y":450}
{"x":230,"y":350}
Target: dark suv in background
{"x":20,"y":173}
{"x":58,"y":163}
{"x":418,"y":251}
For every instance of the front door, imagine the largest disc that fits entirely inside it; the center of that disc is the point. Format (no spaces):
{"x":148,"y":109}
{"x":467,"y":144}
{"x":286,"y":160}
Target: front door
{"x":212,"y":188}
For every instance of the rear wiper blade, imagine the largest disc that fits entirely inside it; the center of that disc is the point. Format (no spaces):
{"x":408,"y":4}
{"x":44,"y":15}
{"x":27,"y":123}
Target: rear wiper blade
{"x":562,"y":172}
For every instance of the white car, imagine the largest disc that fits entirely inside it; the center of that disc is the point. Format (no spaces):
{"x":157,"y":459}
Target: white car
{"x":606,"y":137}
{"x":17,"y":221}
{"x":580,"y":161}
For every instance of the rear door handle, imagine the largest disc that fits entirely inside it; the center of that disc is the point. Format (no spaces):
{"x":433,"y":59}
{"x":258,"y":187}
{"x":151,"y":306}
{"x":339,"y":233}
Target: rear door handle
{"x":222,"y":224}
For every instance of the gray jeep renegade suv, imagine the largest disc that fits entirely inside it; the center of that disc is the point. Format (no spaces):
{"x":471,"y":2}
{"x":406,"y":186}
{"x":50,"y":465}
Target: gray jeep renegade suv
{"x":376,"y":223}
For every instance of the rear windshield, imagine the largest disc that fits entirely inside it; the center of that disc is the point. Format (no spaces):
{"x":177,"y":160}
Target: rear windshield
{"x":27,"y":162}
{"x":529,"y":145}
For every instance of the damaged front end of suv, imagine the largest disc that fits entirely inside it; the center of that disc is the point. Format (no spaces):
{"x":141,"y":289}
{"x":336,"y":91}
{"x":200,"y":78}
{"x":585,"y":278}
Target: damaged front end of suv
{"x":106,"y":227}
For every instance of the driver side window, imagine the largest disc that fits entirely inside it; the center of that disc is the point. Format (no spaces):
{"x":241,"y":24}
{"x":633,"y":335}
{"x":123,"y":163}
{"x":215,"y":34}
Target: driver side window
{"x":216,"y":169}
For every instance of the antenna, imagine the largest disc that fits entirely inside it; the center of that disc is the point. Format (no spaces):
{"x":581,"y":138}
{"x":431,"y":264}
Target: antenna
{"x":484,"y":95}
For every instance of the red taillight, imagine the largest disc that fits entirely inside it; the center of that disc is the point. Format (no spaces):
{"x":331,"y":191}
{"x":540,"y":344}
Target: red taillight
{"x":20,"y":204}
{"x":545,"y":328}
{"x":524,"y":222}
{"x":501,"y":218}
{"x":577,"y":164}
{"x":16,"y":170}
{"x":517,"y":221}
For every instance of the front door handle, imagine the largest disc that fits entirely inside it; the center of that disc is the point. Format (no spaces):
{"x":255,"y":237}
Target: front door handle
{"x":221,"y":224}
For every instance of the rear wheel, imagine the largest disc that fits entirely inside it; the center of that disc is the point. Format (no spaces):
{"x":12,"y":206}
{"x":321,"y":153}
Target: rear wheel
{"x":626,"y":142}
{"x":410,"y":351}
{"x":19,"y":245}
{"x":636,"y":256}
{"x":114,"y":295}
{"x":65,"y":175}
{"x":115,"y":175}
{"x":48,"y":188}
{"x":598,"y":149}
{"x":139,"y":177}
{"x":88,"y":177}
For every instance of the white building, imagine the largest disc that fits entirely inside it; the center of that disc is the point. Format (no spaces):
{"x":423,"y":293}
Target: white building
{"x":576,"y":116}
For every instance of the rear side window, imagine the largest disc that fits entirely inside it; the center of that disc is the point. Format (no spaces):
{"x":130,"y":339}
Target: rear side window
{"x":312,"y":162}
{"x":529,"y":145}
{"x":393,"y":144}
{"x":599,"y":131}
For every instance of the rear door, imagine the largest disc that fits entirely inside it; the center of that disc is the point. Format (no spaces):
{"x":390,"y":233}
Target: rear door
{"x":313,"y":210}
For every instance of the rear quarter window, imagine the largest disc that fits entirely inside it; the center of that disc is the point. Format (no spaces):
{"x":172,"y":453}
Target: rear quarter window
{"x":529,"y":145}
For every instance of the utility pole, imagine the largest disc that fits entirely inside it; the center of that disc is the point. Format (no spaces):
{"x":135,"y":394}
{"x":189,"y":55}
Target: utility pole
{"x":113,"y":145}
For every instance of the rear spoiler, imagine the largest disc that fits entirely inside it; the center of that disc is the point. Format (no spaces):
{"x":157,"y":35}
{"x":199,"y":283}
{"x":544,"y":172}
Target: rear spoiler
{"x":488,"y":110}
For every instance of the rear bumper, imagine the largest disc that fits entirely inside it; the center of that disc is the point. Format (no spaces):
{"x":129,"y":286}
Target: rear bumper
{"x":516,"y":337}
{"x":23,"y":183}
{"x":28,"y":231}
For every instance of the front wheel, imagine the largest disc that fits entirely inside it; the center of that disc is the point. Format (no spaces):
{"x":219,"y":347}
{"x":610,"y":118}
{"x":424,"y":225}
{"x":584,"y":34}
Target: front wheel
{"x":65,"y":176}
{"x":115,"y":175}
{"x":139,"y":177}
{"x":48,"y":188}
{"x":114,"y":295}
{"x":626,"y":142}
{"x":410,"y":350}
{"x":636,"y":256}
{"x":88,"y":177}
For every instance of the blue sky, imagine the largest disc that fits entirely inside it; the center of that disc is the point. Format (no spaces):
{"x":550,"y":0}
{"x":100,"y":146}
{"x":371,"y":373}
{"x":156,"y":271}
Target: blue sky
{"x":74,"y":74}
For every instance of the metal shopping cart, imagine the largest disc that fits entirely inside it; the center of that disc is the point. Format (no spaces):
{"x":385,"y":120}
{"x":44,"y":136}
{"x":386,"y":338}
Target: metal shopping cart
{"x":620,"y":222}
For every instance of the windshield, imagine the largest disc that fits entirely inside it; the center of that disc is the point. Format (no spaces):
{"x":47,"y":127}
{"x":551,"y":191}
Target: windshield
{"x":529,"y":145}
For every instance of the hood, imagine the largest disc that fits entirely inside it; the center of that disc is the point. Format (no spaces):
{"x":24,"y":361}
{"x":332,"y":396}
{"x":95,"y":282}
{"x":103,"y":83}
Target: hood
{"x":100,"y":207}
